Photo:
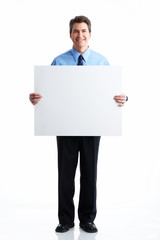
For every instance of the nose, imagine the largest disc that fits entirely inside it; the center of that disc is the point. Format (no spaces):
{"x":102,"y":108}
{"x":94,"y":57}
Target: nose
{"x":79,"y":34}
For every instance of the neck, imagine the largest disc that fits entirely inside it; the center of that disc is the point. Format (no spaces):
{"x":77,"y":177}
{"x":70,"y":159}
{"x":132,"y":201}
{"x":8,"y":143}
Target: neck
{"x":80,"y":50}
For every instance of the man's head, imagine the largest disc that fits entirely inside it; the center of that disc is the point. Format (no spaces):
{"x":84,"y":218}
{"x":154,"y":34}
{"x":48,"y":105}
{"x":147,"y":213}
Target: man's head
{"x":80,"y":19}
{"x":80,"y":32}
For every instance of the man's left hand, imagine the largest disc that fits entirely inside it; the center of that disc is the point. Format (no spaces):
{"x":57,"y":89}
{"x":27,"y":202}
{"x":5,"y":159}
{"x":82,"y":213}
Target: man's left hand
{"x":121,"y":99}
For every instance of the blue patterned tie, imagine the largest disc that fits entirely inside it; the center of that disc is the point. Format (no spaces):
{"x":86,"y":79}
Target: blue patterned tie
{"x":80,"y":60}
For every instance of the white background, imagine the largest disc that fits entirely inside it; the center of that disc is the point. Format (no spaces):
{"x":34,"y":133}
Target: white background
{"x":127,"y":33}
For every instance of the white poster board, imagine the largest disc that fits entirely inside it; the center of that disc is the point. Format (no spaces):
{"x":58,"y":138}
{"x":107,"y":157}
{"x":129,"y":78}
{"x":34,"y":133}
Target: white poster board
{"x":78,"y":100}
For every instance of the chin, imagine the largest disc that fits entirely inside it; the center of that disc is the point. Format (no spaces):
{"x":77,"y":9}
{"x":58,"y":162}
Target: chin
{"x":80,"y":45}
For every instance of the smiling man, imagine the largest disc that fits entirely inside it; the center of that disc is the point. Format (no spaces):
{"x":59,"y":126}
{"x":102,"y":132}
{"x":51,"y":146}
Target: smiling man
{"x":80,"y":36}
{"x":69,"y":147}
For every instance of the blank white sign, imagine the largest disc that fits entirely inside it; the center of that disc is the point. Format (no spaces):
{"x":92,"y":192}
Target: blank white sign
{"x":78,"y":100}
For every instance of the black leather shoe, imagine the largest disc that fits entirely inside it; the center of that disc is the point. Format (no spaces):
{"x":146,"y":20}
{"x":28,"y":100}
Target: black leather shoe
{"x":64,"y":227}
{"x":88,"y":227}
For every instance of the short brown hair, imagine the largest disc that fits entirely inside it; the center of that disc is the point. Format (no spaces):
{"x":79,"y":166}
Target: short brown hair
{"x":80,"y":19}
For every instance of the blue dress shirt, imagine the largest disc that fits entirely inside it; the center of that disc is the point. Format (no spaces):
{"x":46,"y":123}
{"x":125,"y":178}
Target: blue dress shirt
{"x":70,"y":57}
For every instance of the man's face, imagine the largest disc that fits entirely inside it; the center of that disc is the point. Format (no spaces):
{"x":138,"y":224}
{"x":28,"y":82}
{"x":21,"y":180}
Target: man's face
{"x":80,"y":36}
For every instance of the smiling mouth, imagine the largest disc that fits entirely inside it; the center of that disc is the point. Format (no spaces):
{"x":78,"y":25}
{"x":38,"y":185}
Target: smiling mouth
{"x":80,"y":39}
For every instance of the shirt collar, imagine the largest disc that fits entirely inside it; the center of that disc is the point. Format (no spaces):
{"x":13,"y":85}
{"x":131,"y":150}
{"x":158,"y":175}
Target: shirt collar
{"x":76,"y":54}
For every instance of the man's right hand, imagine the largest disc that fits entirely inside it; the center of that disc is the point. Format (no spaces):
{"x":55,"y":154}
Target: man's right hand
{"x":34,"y":98}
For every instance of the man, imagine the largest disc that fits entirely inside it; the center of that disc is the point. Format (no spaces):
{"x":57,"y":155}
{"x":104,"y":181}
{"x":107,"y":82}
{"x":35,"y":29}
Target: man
{"x":69,"y":147}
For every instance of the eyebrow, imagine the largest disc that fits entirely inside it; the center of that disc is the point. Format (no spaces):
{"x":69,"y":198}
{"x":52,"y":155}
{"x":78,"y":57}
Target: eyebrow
{"x":85,"y":29}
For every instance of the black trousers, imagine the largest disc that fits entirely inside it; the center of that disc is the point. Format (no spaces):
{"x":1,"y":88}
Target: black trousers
{"x":68,"y":149}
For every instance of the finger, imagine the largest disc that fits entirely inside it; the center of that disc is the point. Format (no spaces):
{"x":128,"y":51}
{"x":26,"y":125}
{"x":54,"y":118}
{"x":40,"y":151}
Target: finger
{"x":121,"y":104}
{"x":119,"y":97}
{"x":35,"y":95}
{"x":35,"y":100}
{"x":120,"y":100}
{"x":34,"y":103}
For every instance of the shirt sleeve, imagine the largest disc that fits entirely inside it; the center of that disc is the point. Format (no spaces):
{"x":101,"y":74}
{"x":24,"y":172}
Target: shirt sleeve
{"x":54,"y":62}
{"x":105,"y":61}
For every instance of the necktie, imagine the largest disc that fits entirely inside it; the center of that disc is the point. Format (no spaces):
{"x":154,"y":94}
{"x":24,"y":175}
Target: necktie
{"x":80,"y":60}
